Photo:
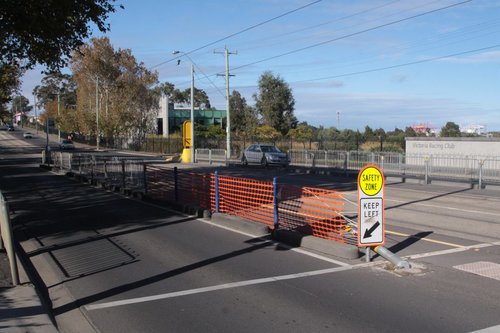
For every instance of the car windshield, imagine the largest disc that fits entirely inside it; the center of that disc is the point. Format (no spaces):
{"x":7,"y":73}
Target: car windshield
{"x":270,"y":149}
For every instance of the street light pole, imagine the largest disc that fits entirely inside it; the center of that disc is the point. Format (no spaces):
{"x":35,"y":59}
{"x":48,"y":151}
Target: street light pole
{"x":58,"y":112}
{"x":192,"y":113}
{"x":97,"y":111}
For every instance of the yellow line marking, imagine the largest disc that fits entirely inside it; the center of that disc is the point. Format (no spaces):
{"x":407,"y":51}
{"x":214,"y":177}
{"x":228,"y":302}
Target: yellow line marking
{"x":424,"y":239}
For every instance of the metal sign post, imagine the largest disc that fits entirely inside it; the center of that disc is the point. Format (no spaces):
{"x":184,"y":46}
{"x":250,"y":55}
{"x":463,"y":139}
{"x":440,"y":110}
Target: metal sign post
{"x":371,"y":218}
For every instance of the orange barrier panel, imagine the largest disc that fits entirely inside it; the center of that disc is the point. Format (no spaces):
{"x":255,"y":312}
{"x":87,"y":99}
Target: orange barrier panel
{"x":312,"y":211}
{"x":195,"y":188}
{"x":248,"y":198}
{"x":308,"y":210}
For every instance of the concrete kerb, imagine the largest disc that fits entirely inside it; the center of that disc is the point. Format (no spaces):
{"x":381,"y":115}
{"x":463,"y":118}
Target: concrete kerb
{"x":292,"y":238}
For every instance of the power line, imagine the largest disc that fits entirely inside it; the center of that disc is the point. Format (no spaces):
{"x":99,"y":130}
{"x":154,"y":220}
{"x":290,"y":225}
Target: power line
{"x":379,"y":69}
{"x":400,"y":65}
{"x":240,"y":32}
{"x":351,"y":35}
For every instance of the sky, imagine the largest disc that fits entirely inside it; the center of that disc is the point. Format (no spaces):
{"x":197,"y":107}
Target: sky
{"x":350,"y":63}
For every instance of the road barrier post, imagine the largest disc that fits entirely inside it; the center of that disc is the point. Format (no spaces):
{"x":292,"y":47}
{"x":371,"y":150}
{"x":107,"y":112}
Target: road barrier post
{"x":480,"y":180}
{"x":391,"y":257}
{"x":216,"y":181}
{"x":275,"y":203}
{"x":176,"y":186}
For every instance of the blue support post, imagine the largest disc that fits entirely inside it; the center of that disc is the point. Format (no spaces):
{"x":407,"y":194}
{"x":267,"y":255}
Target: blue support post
{"x":216,"y":191}
{"x":275,"y":203}
{"x":176,"y":187}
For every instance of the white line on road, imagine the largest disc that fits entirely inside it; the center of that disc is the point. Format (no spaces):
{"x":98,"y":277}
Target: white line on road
{"x":440,"y":207}
{"x":298,"y":250}
{"x":450,"y":251}
{"x":219,"y":287}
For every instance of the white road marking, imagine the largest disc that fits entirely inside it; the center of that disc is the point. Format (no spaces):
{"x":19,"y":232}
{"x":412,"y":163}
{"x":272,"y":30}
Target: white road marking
{"x":492,"y":329}
{"x":298,"y":250}
{"x":450,"y":251}
{"x":441,"y":207}
{"x":219,"y":287}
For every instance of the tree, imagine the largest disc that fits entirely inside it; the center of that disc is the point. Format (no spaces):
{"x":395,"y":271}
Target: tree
{"x":20,"y":106}
{"x":275,"y":103}
{"x":200,"y":97}
{"x":450,"y":130}
{"x":47,"y":32}
{"x":166,"y":88}
{"x":368,"y":135}
{"x":303,"y":133}
{"x":243,"y":117}
{"x":55,"y":83}
{"x":267,"y":133}
{"x":10,"y":81}
{"x":128,"y":102}
{"x":410,"y":132}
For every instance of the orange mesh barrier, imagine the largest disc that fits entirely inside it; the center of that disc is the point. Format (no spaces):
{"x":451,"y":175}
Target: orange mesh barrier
{"x":194,"y":188}
{"x":308,"y":210}
{"x":248,"y":198}
{"x":312,"y":211}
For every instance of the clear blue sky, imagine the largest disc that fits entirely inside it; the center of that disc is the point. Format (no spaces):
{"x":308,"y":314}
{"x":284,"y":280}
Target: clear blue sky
{"x":351,"y":63}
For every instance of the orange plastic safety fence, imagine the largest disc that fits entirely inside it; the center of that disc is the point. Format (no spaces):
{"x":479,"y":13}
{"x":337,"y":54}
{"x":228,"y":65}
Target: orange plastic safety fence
{"x":248,"y":198}
{"x":308,"y":210}
{"x":194,"y":188}
{"x":312,"y":211}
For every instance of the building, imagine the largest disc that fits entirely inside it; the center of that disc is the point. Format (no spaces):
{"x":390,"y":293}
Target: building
{"x":170,"y":118}
{"x":473,"y":129}
{"x":424,"y":129}
{"x":462,"y":146}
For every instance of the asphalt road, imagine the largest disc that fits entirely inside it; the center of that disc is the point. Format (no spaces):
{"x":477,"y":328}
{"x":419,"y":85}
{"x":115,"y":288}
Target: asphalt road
{"x":115,"y":264}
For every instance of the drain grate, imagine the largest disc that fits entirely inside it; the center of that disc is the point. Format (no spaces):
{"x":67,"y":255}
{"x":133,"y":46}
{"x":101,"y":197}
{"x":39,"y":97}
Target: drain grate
{"x":91,"y":257}
{"x":483,"y":268}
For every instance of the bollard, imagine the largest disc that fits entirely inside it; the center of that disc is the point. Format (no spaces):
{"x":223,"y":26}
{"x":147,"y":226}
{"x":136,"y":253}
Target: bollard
{"x":217,"y":198}
{"x":275,"y":204}
{"x":391,"y":257}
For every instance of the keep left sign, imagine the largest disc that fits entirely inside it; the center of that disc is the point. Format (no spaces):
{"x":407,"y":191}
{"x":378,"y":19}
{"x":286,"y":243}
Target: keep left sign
{"x":371,"y":218}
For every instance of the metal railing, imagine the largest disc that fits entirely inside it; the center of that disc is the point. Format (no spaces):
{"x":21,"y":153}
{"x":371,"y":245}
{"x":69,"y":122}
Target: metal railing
{"x":481,"y":170}
{"x":115,"y":171}
{"x":7,"y":239}
{"x":211,"y":155}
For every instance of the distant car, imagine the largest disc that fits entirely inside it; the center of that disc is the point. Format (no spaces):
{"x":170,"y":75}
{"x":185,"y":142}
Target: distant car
{"x":28,"y":135}
{"x":66,"y":144}
{"x":264,"y":155}
{"x":10,"y":128}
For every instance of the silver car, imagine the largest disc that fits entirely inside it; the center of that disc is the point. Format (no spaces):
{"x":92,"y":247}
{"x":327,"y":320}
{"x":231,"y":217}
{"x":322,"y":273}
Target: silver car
{"x":264,"y":155}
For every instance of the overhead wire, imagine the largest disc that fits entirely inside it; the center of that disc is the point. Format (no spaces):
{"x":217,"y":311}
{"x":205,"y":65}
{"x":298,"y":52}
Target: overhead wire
{"x":240,"y":32}
{"x":350,"y":35}
{"x":401,"y":65}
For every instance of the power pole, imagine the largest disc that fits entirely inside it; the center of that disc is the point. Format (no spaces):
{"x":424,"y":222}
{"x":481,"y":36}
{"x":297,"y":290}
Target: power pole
{"x":228,"y":118}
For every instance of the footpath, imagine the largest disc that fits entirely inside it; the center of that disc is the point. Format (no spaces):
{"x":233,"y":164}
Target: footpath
{"x":20,"y":307}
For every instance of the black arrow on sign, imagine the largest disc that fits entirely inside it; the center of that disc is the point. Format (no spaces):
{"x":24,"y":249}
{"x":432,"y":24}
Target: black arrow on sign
{"x":368,"y":232}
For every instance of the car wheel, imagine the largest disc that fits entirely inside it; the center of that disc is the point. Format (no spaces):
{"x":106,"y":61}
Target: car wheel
{"x":244,"y":160}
